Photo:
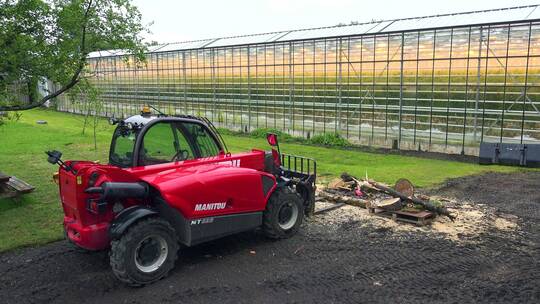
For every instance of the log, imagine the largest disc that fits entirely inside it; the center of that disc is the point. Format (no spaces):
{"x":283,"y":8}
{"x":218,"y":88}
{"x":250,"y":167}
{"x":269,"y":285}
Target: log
{"x":342,"y":199}
{"x":404,"y":186}
{"x":427,"y":205}
{"x":391,"y":204}
{"x":423,"y":197}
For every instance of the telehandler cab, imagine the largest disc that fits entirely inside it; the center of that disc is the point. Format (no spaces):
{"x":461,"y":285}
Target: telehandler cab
{"x":171,"y":182}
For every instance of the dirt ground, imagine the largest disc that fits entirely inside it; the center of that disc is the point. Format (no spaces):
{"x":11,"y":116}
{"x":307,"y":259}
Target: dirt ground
{"x":491,"y":255}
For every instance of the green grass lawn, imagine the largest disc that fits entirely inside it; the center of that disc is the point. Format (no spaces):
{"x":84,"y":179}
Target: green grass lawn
{"x":37,"y":218}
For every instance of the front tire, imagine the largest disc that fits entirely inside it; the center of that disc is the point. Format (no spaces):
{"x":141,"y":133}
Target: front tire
{"x":284,"y":214}
{"x":145,"y":253}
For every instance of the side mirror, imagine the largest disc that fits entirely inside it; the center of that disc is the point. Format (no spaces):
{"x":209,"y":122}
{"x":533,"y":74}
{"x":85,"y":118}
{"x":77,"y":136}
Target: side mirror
{"x":113,"y":121}
{"x":54,"y":156}
{"x":272,"y":139}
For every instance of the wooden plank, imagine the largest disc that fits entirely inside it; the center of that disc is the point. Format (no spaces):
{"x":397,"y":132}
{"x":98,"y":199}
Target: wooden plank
{"x":4,"y":177}
{"x":19,"y":186}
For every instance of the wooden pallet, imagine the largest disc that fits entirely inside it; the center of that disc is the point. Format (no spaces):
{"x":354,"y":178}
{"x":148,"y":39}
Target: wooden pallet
{"x":11,"y":186}
{"x":421,"y":218}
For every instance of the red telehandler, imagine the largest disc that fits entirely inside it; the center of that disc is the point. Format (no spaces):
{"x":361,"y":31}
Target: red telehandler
{"x":171,"y":182}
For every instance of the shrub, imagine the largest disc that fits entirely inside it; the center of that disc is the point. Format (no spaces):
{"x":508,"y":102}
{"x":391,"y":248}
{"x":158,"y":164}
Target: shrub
{"x":329,"y":139}
{"x":261,"y":133}
{"x":9,"y":116}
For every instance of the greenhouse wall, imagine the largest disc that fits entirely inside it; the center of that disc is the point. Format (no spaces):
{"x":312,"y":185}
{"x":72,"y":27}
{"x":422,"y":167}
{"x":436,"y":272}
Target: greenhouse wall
{"x":441,"y":89}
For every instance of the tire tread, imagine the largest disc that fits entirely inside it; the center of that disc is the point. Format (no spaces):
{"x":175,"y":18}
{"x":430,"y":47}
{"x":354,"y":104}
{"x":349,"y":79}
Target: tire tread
{"x":119,"y":250}
{"x":279,"y":195}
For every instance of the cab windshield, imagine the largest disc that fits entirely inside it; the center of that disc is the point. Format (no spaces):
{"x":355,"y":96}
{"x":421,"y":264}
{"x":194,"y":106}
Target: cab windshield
{"x":122,"y":145}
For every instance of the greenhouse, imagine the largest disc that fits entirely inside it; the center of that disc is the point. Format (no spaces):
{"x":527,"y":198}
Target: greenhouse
{"x":439,"y":83}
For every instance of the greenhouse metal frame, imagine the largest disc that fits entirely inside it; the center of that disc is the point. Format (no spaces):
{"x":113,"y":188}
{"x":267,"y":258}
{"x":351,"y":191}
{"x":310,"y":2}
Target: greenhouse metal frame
{"x":439,"y":83}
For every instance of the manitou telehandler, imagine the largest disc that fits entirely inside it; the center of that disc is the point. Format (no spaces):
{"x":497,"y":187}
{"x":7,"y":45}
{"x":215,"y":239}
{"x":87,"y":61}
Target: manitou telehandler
{"x":171,"y":182}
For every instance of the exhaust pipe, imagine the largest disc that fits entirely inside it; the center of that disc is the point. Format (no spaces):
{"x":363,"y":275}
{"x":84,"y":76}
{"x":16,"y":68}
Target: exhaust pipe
{"x":113,"y":190}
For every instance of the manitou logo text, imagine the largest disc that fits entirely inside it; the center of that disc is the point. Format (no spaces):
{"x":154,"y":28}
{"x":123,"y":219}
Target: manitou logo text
{"x":210,"y":206}
{"x":234,"y":162}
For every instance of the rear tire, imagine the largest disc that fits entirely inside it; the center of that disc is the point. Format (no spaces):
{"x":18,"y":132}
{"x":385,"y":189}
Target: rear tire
{"x":284,"y":214}
{"x":145,"y":253}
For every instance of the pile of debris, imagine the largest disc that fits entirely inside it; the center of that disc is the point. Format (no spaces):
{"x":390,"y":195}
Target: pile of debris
{"x":399,"y":202}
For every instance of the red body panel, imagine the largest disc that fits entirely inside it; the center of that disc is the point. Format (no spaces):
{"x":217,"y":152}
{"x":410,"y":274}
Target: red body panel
{"x":236,"y":190}
{"x":220,"y":185}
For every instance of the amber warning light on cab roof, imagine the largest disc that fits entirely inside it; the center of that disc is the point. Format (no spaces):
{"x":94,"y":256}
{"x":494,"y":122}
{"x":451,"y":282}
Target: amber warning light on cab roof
{"x":146,"y":111}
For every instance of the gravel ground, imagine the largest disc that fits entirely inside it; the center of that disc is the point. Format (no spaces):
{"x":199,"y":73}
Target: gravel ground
{"x":491,"y":255}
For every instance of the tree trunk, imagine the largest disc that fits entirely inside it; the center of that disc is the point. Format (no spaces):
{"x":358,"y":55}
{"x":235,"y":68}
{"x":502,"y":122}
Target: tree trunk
{"x":342,"y":199}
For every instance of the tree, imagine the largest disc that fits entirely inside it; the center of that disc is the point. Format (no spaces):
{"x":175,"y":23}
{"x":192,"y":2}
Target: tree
{"x":52,"y":39}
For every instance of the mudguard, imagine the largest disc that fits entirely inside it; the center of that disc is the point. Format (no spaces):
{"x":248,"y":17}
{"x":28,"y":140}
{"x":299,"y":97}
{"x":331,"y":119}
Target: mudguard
{"x":128,"y":217}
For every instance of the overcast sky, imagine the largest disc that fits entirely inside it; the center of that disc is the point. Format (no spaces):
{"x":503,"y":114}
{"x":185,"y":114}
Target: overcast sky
{"x":182,"y":20}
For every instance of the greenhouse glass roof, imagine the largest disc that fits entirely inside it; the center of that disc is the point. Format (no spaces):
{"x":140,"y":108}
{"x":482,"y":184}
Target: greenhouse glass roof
{"x":503,"y":15}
